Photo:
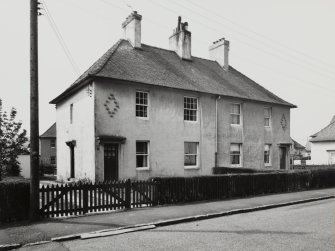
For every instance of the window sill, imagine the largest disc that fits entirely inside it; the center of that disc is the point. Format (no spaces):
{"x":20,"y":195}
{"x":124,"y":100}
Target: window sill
{"x":143,"y":118}
{"x":191,"y":121}
{"x":237,"y":125}
{"x":191,"y":167}
{"x":236,"y":165}
{"x":142,"y":168}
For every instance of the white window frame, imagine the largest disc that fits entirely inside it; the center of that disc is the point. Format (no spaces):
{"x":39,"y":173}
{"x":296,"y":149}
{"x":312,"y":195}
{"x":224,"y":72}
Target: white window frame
{"x":269,"y":118}
{"x":270,"y":159}
{"x":196,"y":110}
{"x":52,"y":143}
{"x":143,"y":154}
{"x":197,"y":159}
{"x":330,"y":152}
{"x":239,"y":114}
{"x":143,"y":105}
{"x":241,"y":155}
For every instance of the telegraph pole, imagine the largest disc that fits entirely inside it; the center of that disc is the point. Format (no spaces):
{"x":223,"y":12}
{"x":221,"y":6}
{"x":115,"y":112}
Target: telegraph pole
{"x":34,"y":120}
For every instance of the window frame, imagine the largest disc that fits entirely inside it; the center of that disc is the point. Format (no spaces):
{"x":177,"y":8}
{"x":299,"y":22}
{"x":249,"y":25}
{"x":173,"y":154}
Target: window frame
{"x":52,"y":143}
{"x":190,"y":109}
{"x":270,"y":159}
{"x":71,"y":113}
{"x":240,"y":155}
{"x":197,"y":159}
{"x":270,"y":116}
{"x":143,"y":154}
{"x":235,"y":114}
{"x":53,"y":158}
{"x":142,"y":105}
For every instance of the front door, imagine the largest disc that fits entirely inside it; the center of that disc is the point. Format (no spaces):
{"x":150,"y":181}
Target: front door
{"x":111,"y":162}
{"x":282,"y":157}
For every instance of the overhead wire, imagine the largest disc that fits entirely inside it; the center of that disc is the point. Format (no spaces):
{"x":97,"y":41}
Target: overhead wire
{"x":60,"y":38}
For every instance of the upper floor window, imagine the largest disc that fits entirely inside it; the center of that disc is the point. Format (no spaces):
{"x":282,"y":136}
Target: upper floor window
{"x":235,"y":154}
{"x":141,"y":104}
{"x":267,"y":156}
{"x":191,"y":154}
{"x":142,"y":154}
{"x":267,"y":116}
{"x":190,"y":108}
{"x":53,"y":143}
{"x":235,"y":114}
{"x":71,"y":113}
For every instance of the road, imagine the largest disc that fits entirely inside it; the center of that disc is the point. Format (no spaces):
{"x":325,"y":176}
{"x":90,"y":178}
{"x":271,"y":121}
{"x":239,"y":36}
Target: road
{"x":309,"y":226}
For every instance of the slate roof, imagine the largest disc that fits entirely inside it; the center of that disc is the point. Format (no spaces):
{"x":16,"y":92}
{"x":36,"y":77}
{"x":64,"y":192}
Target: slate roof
{"x":50,"y":133}
{"x":296,"y":145}
{"x":161,"y":67}
{"x":326,"y":134}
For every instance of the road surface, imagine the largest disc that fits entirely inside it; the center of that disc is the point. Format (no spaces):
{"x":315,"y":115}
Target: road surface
{"x":309,"y":226}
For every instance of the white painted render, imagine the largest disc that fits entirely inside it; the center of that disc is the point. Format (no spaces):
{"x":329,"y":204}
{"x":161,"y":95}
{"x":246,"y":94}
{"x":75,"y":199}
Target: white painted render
{"x":320,"y":152}
{"x":81,"y":130}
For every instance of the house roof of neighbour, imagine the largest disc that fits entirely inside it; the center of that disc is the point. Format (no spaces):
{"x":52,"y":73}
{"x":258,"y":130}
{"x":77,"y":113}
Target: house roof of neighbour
{"x":326,"y":134}
{"x":161,"y":67}
{"x":296,"y":145}
{"x":50,"y":133}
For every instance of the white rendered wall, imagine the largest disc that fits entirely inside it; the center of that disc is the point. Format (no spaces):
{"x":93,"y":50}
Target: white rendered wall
{"x":81,"y":130}
{"x":319,"y":154}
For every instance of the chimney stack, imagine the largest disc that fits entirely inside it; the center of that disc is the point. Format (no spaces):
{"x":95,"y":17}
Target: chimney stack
{"x":219,"y":51}
{"x":132,"y":29}
{"x":180,"y":41}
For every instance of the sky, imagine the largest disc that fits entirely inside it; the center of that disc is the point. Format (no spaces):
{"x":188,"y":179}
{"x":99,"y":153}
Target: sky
{"x":287,"y":46}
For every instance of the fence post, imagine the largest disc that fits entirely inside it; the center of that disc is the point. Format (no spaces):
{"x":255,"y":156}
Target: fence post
{"x":128,"y":194}
{"x":85,"y":198}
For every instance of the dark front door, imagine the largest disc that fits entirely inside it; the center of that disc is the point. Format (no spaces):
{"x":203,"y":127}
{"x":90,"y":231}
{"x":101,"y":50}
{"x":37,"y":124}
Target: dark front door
{"x":282,"y":157}
{"x":111,"y":162}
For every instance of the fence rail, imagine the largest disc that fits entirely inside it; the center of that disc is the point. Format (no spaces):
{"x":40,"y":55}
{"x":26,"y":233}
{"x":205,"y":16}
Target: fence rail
{"x":74,"y":199}
{"x":63,"y":200}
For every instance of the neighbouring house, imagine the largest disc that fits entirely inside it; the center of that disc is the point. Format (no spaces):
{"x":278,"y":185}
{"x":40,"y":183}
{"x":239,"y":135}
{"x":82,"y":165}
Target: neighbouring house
{"x":48,"y":147}
{"x":323,"y":145}
{"x":142,"y":111}
{"x":298,"y":152}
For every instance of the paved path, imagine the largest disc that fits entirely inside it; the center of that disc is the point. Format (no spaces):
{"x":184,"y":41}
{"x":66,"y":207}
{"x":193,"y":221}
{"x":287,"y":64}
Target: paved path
{"x":59,"y":227}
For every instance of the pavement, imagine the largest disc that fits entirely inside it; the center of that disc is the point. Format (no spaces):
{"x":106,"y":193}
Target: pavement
{"x":90,"y":226}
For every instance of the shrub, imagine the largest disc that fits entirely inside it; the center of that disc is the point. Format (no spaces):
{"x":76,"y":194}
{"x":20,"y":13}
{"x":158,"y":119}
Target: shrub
{"x":227,"y":170}
{"x":14,"y":200}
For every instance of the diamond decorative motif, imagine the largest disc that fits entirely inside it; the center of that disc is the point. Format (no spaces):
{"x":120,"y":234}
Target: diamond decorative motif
{"x":283,"y":122}
{"x":111,"y":105}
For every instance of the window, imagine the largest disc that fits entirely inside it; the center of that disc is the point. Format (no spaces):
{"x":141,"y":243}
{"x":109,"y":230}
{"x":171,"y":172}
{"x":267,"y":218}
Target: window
{"x":331,"y":156}
{"x":235,"y":154}
{"x":52,"y":160}
{"x":141,"y":104}
{"x":190,"y":109}
{"x":267,"y":158}
{"x":142,"y":154}
{"x":52,"y":143}
{"x":235,"y":114}
{"x":191,"y":154}
{"x":71,"y":113}
{"x":267,"y":116}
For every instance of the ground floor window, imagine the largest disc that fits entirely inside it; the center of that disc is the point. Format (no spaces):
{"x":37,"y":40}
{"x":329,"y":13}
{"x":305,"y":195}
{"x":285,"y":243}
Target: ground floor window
{"x":331,"y":156}
{"x":267,"y":156}
{"x":142,"y":154}
{"x":235,"y":154}
{"x":191,"y":154}
{"x":52,"y":160}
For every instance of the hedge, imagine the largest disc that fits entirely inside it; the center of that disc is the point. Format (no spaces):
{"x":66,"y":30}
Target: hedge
{"x":14,"y":201}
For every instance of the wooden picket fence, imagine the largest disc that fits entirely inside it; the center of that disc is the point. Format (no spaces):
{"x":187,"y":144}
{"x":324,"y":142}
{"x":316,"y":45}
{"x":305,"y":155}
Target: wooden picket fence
{"x":76,"y":199}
